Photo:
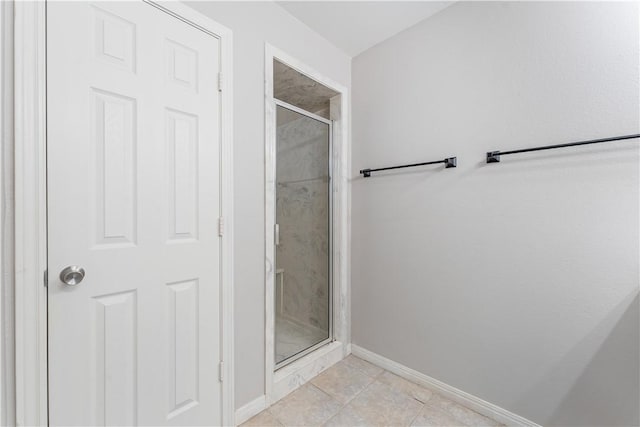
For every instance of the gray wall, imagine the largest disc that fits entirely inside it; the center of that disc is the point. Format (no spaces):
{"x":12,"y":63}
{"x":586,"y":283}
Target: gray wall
{"x":516,"y":282}
{"x":253,"y":24}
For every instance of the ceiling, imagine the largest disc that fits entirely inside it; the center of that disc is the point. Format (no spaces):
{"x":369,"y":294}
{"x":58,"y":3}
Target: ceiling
{"x":355,"y":26}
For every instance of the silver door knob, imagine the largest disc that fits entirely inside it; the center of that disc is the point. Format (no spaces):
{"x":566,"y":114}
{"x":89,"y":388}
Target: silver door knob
{"x":72,"y":275}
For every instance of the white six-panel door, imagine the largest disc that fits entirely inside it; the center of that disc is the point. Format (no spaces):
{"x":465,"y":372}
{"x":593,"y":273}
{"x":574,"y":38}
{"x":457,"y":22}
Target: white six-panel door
{"x":133,"y":155}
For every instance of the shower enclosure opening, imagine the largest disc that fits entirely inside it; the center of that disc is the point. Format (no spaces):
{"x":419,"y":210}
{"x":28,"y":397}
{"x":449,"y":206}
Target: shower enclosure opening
{"x":303,"y":247}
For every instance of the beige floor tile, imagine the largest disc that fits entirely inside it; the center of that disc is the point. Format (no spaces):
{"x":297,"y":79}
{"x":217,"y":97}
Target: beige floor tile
{"x":342,"y":382}
{"x":307,"y":406}
{"x":347,"y":417}
{"x":400,"y":384}
{"x":463,"y":414}
{"x":263,"y":419}
{"x":364,"y":366}
{"x":433,"y":417}
{"x":373,"y":397}
{"x":380,"y":405}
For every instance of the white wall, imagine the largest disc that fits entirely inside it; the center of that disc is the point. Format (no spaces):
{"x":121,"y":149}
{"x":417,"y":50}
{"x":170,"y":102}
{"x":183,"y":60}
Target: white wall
{"x":253,"y":24}
{"x":516,"y":282}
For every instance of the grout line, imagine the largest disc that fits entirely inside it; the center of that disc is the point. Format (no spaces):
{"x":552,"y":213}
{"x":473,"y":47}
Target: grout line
{"x":362,"y":370}
{"x":360,"y":392}
{"x":310,"y":383}
{"x":417,"y":415}
{"x":344,"y":405}
{"x":330,"y":397}
{"x":333,"y":416}
{"x":323,"y":392}
{"x":374,"y":379}
{"x":428,"y":402}
{"x":274,"y":416}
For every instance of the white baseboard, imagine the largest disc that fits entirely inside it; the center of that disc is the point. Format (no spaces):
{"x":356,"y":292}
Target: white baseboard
{"x":470,"y":401}
{"x":250,"y":410}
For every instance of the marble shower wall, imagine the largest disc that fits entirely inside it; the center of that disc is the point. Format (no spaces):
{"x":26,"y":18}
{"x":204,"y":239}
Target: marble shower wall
{"x":302,"y":212}
{"x":302,"y":91}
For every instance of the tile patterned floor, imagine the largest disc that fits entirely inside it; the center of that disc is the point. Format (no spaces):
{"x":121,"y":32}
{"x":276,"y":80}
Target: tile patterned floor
{"x":357,"y":393}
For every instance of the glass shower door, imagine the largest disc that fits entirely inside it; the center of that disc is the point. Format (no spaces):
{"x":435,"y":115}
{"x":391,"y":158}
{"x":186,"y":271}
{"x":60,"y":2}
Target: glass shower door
{"x":303,"y":230}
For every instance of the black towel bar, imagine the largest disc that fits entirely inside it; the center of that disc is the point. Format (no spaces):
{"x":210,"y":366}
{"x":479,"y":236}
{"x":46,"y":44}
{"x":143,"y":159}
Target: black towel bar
{"x":494,"y":156}
{"x":449,"y":162}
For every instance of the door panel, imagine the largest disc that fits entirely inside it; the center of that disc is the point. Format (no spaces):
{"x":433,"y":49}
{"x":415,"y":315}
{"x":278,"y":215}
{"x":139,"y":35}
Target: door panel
{"x":133,"y":143}
{"x":113,"y":136}
{"x":116,"y":366}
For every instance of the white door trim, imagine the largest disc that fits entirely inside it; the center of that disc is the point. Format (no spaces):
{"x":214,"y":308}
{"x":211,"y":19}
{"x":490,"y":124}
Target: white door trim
{"x":30,"y":213}
{"x":7,"y":344}
{"x":30,"y":207}
{"x":341,"y":156}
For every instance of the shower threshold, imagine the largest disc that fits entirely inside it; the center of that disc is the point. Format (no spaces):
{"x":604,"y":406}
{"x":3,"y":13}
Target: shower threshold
{"x":294,"y":340}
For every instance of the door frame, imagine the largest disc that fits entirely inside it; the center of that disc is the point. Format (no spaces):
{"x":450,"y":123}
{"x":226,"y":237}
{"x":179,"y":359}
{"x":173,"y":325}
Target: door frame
{"x":330,"y":338}
{"x":293,"y":375}
{"x":30,"y":207}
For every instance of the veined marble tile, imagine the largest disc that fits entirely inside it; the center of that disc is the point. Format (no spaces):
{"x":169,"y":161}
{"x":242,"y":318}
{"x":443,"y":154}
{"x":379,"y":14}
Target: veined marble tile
{"x":307,"y":406}
{"x":380,"y":405}
{"x":364,"y":366}
{"x":293,"y":87}
{"x":342,"y":382}
{"x":404,"y":386}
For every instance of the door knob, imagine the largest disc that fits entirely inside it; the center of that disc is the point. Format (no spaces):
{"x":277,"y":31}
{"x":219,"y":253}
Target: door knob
{"x":72,"y":275}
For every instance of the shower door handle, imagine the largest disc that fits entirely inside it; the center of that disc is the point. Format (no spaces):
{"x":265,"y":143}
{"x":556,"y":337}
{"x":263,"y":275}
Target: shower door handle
{"x":276,"y":234}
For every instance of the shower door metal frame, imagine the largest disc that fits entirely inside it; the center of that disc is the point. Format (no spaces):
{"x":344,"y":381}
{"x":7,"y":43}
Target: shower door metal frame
{"x":292,"y":358}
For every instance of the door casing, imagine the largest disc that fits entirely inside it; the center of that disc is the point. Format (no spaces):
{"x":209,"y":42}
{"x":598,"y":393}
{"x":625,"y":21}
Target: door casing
{"x":278,"y":384}
{"x":29,"y":207}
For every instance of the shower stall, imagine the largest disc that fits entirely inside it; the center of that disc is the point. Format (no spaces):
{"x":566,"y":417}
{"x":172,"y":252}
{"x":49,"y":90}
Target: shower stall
{"x":303,"y":318}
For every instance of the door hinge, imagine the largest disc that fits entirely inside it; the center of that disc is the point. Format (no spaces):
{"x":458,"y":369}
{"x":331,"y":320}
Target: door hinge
{"x":219,"y":82}
{"x":221,"y":372}
{"x":46,"y":278}
{"x":221,"y":226}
